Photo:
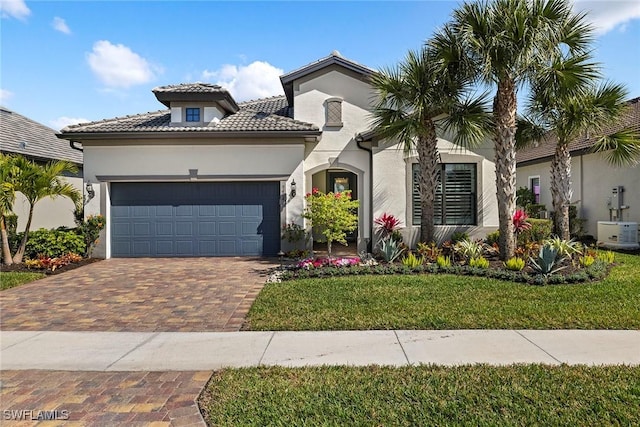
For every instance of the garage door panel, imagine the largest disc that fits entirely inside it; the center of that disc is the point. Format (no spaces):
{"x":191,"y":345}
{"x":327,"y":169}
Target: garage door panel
{"x":195,"y":219}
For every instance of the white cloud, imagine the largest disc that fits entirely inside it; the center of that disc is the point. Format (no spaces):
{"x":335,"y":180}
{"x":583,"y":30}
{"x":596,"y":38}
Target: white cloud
{"x":14,"y":9}
{"x":609,"y":15}
{"x":117,"y":66}
{"x":59,"y":24}
{"x":5,"y":95}
{"x":65,"y":121}
{"x":256,"y":80}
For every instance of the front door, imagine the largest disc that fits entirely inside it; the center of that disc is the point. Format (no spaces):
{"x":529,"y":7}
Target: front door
{"x":344,"y":181}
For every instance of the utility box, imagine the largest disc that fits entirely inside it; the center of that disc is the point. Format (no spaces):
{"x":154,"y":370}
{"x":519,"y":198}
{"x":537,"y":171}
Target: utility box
{"x":618,"y":235}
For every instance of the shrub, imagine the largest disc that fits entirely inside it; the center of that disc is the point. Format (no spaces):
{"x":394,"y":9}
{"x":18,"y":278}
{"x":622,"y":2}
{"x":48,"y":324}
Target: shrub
{"x":533,"y":210}
{"x":53,"y":243}
{"x":480,"y":262}
{"x":586,"y":260}
{"x":469,"y":249}
{"x":90,"y":229}
{"x":564,"y":248}
{"x":606,"y":256}
{"x":493,"y":238}
{"x":412,"y":261}
{"x":540,"y":230}
{"x":44,"y":262}
{"x":514,"y":264}
{"x":293,"y":233}
{"x":443,"y":261}
{"x":428,"y":251}
{"x":459,"y":236}
{"x":525,"y":197}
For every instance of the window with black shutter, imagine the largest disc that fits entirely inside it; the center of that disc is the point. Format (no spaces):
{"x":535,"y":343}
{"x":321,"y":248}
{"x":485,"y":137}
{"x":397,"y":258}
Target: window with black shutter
{"x":455,"y":202}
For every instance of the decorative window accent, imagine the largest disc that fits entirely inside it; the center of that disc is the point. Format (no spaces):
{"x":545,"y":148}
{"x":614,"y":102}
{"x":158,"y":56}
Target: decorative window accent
{"x":334,"y":112}
{"x":455,"y":202}
{"x":192,"y":114}
{"x":534,"y":186}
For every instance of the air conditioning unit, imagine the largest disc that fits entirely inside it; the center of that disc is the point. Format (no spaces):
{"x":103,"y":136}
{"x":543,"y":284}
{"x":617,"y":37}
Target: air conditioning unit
{"x":618,"y":235}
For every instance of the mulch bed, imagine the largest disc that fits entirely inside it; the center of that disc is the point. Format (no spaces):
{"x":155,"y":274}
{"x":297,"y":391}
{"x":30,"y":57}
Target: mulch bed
{"x":21,"y":268}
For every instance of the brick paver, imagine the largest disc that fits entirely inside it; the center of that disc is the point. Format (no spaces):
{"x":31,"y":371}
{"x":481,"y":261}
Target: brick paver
{"x":102,"y":398}
{"x":140,"y":295}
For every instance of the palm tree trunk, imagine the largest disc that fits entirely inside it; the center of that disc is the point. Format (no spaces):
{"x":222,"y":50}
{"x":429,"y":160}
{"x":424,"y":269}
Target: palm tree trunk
{"x":561,"y":192}
{"x":427,"y":148}
{"x":504,"y":112}
{"x":6,"y":251}
{"x":17,"y":258}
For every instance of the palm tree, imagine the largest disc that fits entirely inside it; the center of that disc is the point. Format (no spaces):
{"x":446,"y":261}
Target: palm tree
{"x":7,"y":198}
{"x":37,"y":182}
{"x":510,"y":41}
{"x":571,"y":108}
{"x":413,"y":97}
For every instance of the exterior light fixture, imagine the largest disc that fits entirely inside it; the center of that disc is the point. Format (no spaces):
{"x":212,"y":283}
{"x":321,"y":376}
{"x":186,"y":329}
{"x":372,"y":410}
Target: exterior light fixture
{"x":293,"y":188}
{"x":91,"y":193}
{"x":281,"y":256}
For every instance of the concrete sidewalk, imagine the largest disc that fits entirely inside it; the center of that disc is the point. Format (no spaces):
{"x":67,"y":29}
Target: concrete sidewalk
{"x":187,"y":351}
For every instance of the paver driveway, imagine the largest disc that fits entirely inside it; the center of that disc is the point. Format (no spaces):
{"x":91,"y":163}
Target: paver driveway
{"x":142,"y":294}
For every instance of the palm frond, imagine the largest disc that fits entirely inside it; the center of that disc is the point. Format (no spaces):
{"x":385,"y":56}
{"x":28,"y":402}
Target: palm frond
{"x":470,"y":121}
{"x":621,"y":148}
{"x":529,"y":131}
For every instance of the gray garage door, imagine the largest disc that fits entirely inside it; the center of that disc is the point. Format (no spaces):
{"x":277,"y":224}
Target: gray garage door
{"x":195,"y":219}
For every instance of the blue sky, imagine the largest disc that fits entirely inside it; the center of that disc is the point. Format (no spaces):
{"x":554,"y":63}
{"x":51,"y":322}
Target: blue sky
{"x":68,"y":61}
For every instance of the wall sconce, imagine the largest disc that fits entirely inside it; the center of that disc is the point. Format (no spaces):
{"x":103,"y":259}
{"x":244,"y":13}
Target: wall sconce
{"x":293,"y":188}
{"x":91,"y":193}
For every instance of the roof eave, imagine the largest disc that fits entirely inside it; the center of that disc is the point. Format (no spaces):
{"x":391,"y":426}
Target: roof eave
{"x":95,"y":136}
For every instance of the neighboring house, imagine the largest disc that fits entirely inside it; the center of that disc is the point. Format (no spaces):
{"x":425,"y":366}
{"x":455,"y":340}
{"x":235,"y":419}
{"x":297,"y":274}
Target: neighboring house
{"x":593,"y":179}
{"x":209,"y":177}
{"x":37,"y":142}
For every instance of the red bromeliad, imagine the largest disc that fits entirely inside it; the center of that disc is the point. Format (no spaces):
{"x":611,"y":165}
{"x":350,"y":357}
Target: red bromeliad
{"x":520,"y":223}
{"x":387,"y":223}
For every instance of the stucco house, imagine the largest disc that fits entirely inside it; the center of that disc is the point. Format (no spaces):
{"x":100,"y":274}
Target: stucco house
{"x":208,"y":176}
{"x":593,"y":179}
{"x":37,"y":142}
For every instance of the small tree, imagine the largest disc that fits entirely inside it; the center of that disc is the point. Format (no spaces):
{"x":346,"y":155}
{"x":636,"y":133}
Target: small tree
{"x":332,"y":215}
{"x":7,"y":198}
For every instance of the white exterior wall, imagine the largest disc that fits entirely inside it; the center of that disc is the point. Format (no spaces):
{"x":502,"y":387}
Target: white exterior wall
{"x":337,"y":148}
{"x":392,"y":187}
{"x":592,"y":181}
{"x":48,"y":213}
{"x":150,"y":162}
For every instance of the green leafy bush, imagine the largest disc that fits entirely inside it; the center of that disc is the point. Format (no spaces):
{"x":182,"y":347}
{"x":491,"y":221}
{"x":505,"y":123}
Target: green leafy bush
{"x":53,"y":243}
{"x":493,"y":238}
{"x":606,"y":256}
{"x":459,"y":236}
{"x":90,"y":229}
{"x":539,"y":231}
{"x":480,"y":262}
{"x":514,"y":264}
{"x":586,"y":260}
{"x":443,"y":261}
{"x":534,"y":209}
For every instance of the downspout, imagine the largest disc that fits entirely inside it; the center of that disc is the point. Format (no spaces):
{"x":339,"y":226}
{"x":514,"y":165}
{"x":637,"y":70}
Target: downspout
{"x":359,"y":141}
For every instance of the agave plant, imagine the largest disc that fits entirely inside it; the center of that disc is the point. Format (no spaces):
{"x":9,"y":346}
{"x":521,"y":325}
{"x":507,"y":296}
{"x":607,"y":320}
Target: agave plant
{"x":390,"y":250}
{"x":547,"y":262}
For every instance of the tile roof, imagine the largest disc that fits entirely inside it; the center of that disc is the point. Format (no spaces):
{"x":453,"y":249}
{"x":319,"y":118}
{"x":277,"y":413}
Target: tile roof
{"x":262,"y":115}
{"x":190,"y":88}
{"x":21,"y":135}
{"x":546,"y":149}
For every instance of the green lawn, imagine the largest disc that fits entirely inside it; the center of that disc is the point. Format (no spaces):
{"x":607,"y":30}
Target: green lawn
{"x":424,"y":396}
{"x":12,"y":279}
{"x":449,"y":302}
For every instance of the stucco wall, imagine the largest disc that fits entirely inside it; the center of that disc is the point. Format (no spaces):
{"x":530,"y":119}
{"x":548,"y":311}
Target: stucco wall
{"x":592,"y":181}
{"x":48,"y":213}
{"x":161,"y":162}
{"x":337,"y":148}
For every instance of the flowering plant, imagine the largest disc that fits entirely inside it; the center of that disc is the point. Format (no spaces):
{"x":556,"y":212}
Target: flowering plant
{"x":520,"y":223}
{"x":387,"y":224}
{"x":310,"y":263}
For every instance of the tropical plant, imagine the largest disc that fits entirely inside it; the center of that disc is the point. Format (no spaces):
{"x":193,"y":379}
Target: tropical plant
{"x":37,"y":182}
{"x":90,"y":229}
{"x":586,"y":260}
{"x":391,"y":250}
{"x":480,"y":262}
{"x":386,"y":225}
{"x":429,"y":251}
{"x":606,"y":256}
{"x":569,"y":108}
{"x":458,"y":236}
{"x":493,"y":238}
{"x":411,"y":99}
{"x":510,"y":41}
{"x":331,"y":215}
{"x":547,"y":262}
{"x":443,"y":261}
{"x":469,"y":249}
{"x":514,"y":264}
{"x":520,"y":222}
{"x":293,"y":233}
{"x":412,"y":261}
{"x":564,"y":248}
